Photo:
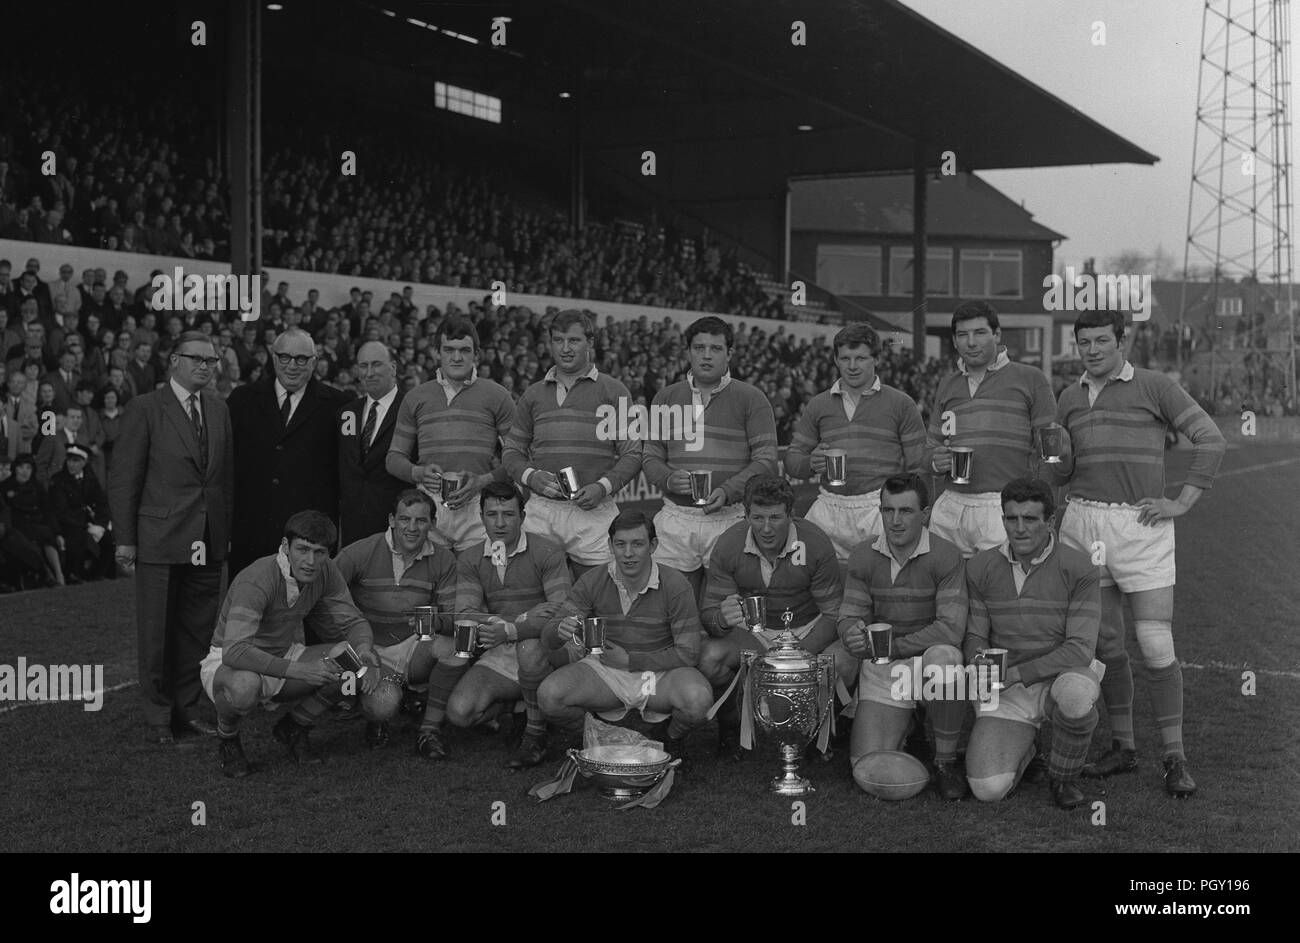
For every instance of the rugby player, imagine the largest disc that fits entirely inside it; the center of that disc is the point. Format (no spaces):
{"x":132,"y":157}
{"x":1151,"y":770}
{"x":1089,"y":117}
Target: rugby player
{"x":255,"y":656}
{"x":879,"y":428}
{"x":453,"y":422}
{"x":388,"y":575}
{"x":555,"y":427}
{"x":521,"y":581}
{"x":996,"y":407}
{"x":1039,"y":600}
{"x":790,"y":561}
{"x":652,"y":641}
{"x":734,"y":437}
{"x":1116,"y":416}
{"x":914,"y":580}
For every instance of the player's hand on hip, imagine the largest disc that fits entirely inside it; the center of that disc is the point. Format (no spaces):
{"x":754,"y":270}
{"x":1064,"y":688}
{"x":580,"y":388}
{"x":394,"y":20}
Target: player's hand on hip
{"x":1155,"y":510}
{"x":590,"y":496}
{"x":733,"y":614}
{"x":679,"y":482}
{"x":717,"y":501}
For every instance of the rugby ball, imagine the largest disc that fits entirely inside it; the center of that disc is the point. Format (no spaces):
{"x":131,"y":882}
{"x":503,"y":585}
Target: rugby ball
{"x":890,"y":774}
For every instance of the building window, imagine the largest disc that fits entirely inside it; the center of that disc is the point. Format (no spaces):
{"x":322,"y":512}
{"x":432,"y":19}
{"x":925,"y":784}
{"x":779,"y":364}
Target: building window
{"x":849,"y":270}
{"x":463,"y":101}
{"x":938,"y":271}
{"x":991,"y":273}
{"x":1230,"y":307}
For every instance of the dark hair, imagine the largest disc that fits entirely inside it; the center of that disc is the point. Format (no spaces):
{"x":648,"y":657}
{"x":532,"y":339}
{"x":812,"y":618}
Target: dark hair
{"x":857,"y":335}
{"x":23,"y":458}
{"x":898,"y":484}
{"x":567,"y":319}
{"x":186,"y":336}
{"x":1111,"y":319}
{"x":973,"y":310}
{"x":311,"y":526}
{"x":711,"y":325}
{"x":500,"y":491}
{"x":453,"y":329}
{"x":1030,"y":489}
{"x":767,"y":490}
{"x":415,"y":496}
{"x":631,"y":520}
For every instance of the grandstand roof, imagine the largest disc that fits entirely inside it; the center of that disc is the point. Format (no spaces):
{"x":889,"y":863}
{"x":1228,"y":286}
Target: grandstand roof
{"x":961,"y":205}
{"x":718,"y":90}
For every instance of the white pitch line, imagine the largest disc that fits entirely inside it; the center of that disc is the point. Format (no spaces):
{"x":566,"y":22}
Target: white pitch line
{"x":1255,"y":468}
{"x":1220,"y":666}
{"x":86,"y":698}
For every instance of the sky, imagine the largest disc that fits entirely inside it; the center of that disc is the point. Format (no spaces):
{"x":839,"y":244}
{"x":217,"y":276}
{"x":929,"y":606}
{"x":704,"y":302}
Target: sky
{"x":1142,"y":84}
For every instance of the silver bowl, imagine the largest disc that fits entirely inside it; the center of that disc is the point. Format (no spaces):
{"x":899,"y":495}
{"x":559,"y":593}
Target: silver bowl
{"x":623,"y":772}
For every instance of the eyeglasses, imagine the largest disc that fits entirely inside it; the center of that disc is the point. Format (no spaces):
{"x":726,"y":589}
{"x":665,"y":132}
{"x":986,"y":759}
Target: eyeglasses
{"x":301,"y":360}
{"x":201,"y":361}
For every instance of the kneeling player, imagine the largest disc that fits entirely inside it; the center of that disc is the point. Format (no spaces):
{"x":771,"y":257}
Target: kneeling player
{"x":521,"y":580}
{"x":789,"y":561}
{"x":652,"y":641}
{"x":389,"y":574}
{"x":1040,"y":601}
{"x":915,"y":581}
{"x":256,"y":658}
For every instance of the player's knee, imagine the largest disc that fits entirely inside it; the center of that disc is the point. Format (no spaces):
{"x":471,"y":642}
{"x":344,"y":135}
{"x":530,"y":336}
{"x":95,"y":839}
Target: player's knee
{"x":239,"y":691}
{"x":383,"y":702}
{"x":941,"y":656}
{"x":694,"y":701}
{"x":992,"y":788}
{"x":1156,"y":640}
{"x":1075,"y":694}
{"x":531,"y":655}
{"x":552,"y":695}
{"x":463,"y":709}
{"x":713,"y":662}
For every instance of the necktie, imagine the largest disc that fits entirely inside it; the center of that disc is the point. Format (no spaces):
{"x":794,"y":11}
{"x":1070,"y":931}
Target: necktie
{"x":368,"y":429}
{"x":286,"y":408}
{"x":196,"y":420}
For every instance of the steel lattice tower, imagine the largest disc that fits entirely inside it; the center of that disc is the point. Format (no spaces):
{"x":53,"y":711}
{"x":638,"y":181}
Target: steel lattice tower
{"x":1239,"y":222}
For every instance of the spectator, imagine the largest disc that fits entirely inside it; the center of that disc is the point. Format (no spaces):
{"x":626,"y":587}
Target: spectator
{"x":30,"y":508}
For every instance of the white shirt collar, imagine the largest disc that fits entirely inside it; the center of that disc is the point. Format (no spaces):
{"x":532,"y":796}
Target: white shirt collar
{"x":751,"y":546}
{"x":428,"y":548}
{"x":922,"y":546}
{"x":652,"y":583}
{"x":183,"y":395}
{"x":437,"y":374}
{"x":837,"y":390}
{"x":384,"y":401}
{"x":1000,"y":361}
{"x":280,"y":392}
{"x":1125,"y":374}
{"x":1011,"y":557}
{"x":722,"y":384}
{"x":490,"y":545}
{"x":291,"y":587}
{"x":553,"y":377}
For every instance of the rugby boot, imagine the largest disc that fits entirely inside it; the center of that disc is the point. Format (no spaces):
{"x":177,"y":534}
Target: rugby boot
{"x":378,"y":735}
{"x":431,"y":745}
{"x":1117,"y":759}
{"x":676,"y":748}
{"x":1069,"y":794}
{"x":950,"y":780}
{"x":230,"y":752}
{"x":1035,"y":771}
{"x":1178,"y":781}
{"x":297,"y":741}
{"x":530,"y":752}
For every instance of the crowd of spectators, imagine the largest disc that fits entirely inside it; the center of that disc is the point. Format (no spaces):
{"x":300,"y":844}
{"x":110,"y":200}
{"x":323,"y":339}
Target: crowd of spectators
{"x":121,"y":182}
{"x":77,"y":348}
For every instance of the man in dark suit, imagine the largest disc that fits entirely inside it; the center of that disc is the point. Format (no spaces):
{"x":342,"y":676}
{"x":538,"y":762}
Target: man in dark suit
{"x":64,"y":380}
{"x":366,"y":490}
{"x":170,"y":495}
{"x":286,"y":449}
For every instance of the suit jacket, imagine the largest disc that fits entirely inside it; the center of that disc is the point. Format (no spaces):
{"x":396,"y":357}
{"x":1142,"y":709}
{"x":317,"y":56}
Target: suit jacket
{"x":16,"y":437}
{"x":159,"y":497}
{"x":77,"y":503}
{"x":280,"y":471}
{"x":52,"y":452}
{"x":64,"y":393}
{"x":366,"y":490}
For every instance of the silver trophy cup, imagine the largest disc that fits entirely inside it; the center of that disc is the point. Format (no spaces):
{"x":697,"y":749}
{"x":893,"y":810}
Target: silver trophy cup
{"x":421,"y":619}
{"x":701,"y":487}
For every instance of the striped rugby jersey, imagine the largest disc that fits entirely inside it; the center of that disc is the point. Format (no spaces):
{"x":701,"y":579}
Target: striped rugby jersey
{"x":461,"y":435}
{"x":1047,"y":627}
{"x":885,"y":437}
{"x":430,"y":580}
{"x":257,"y":624}
{"x":536,"y":573}
{"x":548,"y":437}
{"x":1119,"y":441}
{"x":660,"y":631}
{"x":925,"y":602}
{"x":737,"y":436}
{"x":998,"y":422}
